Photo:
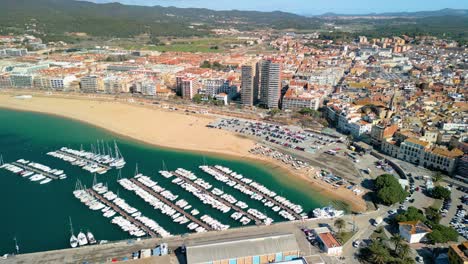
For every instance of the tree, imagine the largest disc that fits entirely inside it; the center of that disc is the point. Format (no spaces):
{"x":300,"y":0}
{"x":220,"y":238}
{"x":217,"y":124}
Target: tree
{"x":379,"y":253}
{"x":274,"y":112}
{"x":440,"y":192}
{"x":411,"y":214}
{"x":197,"y":98}
{"x":403,"y":250}
{"x":205,"y":64}
{"x":437,"y":176}
{"x":309,"y":112}
{"x":389,"y":190}
{"x":433,"y":215}
{"x":442,"y":234}
{"x":397,"y":241}
{"x":340,"y":224}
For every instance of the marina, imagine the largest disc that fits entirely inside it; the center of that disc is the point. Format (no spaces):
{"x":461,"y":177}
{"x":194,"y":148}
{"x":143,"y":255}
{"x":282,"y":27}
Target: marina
{"x":240,"y":214}
{"x":178,"y":214}
{"x":97,"y":161}
{"x":277,"y":203}
{"x":129,"y":220}
{"x":36,"y":172}
{"x":28,"y":137}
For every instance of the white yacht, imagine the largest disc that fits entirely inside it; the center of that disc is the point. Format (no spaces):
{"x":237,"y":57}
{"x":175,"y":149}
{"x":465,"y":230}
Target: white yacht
{"x":82,"y":240}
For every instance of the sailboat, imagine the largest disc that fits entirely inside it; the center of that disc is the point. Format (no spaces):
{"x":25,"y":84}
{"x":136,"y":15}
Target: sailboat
{"x":90,"y":237}
{"x":82,"y":240}
{"x":119,"y":161}
{"x":73,"y":239}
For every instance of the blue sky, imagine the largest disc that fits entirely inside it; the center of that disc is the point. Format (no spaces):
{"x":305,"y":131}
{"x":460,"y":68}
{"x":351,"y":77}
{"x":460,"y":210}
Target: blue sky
{"x":313,"y":7}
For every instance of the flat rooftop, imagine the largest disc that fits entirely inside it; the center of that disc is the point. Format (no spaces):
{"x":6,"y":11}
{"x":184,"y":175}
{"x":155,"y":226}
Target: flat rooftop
{"x":231,"y":249}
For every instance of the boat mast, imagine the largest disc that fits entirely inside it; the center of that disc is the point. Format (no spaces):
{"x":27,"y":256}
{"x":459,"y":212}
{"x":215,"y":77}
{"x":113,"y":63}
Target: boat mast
{"x":119,"y":175}
{"x":98,"y":148}
{"x":103,"y":147}
{"x":109,"y":150}
{"x":16,"y":246}
{"x":164,"y":166}
{"x":1,"y":160}
{"x":118,"y":154}
{"x":71,"y":226}
{"x":94,"y":179}
{"x":136,"y":170}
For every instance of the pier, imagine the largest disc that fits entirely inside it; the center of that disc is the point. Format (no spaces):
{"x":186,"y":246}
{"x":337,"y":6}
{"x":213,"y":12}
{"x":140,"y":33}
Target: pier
{"x":106,"y":167}
{"x":296,"y":215}
{"x":166,"y":201}
{"x":29,"y":168}
{"x":233,"y":206}
{"x":122,"y":212}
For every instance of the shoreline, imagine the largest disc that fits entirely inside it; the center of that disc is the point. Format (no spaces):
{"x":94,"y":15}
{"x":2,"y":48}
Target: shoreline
{"x":239,"y":150}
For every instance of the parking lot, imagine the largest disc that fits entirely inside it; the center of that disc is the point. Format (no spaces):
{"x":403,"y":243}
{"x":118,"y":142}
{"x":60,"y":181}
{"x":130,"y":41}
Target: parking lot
{"x":284,"y":136}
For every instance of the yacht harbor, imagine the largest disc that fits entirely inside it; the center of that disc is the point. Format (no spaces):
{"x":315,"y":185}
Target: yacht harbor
{"x":152,"y":194}
{"x":97,"y":161}
{"x":189,"y":183}
{"x":129,"y":219}
{"x":256,"y":191}
{"x":34,"y":171}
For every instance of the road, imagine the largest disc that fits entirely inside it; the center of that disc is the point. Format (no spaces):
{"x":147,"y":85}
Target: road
{"x":102,"y":253}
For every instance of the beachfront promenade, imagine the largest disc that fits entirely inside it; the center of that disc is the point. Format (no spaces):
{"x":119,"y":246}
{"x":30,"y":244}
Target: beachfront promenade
{"x":103,"y":253}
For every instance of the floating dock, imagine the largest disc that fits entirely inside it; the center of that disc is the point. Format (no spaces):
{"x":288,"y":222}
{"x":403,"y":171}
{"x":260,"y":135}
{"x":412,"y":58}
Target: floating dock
{"x":107,"y":167}
{"x":296,"y":215}
{"x":172,"y":205}
{"x":233,"y":206}
{"x":122,"y":212}
{"x":29,"y":168}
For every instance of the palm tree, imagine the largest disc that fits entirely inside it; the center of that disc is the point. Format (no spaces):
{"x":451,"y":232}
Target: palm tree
{"x":397,"y":241}
{"x":404,"y":250}
{"x":380,"y":254}
{"x":340,"y":224}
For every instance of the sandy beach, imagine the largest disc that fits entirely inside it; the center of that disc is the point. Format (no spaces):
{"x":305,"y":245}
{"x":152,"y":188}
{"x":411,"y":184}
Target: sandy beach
{"x":166,"y":129}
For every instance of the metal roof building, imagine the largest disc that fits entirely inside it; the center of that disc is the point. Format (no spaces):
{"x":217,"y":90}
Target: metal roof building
{"x":256,"y":250}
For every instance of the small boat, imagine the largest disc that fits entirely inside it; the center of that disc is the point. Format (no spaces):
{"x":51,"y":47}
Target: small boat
{"x":82,"y":240}
{"x":73,"y":239}
{"x":45,"y":181}
{"x":91,"y":238}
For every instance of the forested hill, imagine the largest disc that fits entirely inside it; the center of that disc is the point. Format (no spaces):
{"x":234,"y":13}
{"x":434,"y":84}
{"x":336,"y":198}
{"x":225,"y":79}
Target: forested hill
{"x":119,"y":20}
{"x":57,"y":17}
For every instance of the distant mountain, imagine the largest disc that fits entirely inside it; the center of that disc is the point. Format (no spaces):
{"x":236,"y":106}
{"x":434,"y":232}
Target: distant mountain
{"x":56,"y":18}
{"x":418,"y":14}
{"x":115,"y":19}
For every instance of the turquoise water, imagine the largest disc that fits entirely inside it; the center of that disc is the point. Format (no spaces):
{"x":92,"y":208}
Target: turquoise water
{"x":37,"y":215}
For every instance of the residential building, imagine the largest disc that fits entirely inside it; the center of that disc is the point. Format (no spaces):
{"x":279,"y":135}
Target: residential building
{"x":211,"y":87}
{"x":440,"y":158}
{"x":190,"y":87}
{"x":413,"y":231}
{"x":22,"y":80}
{"x":458,"y":253}
{"x":382,"y":131}
{"x":412,"y":150}
{"x":91,"y":84}
{"x":16,"y":52}
{"x":222,"y":97}
{"x":328,"y":242}
{"x":249,"y":84}
{"x":5,"y":81}
{"x":296,"y":99}
{"x":270,"y":84}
